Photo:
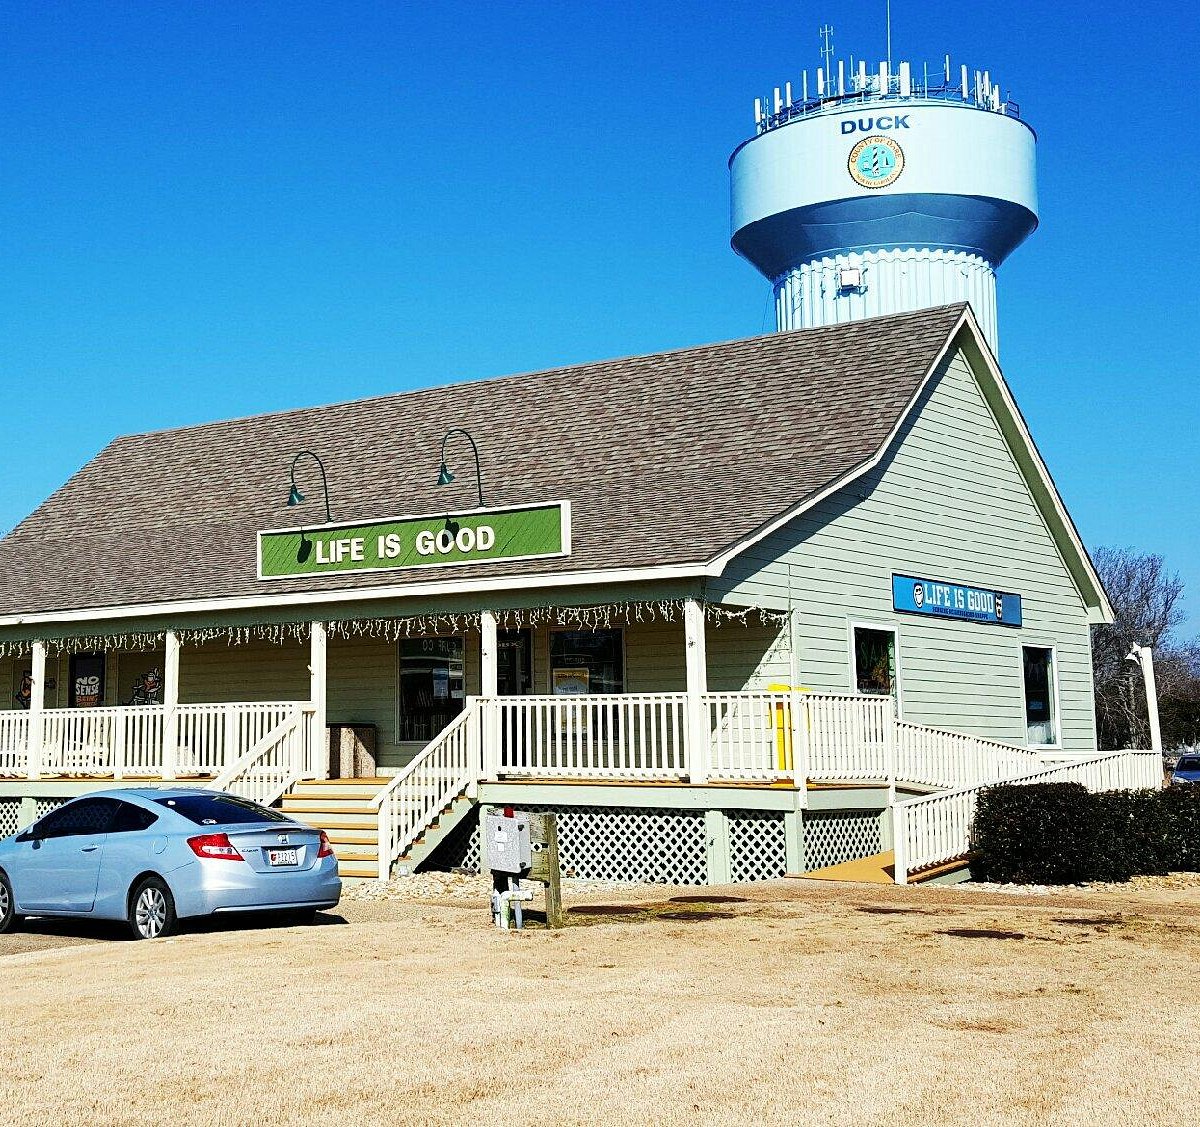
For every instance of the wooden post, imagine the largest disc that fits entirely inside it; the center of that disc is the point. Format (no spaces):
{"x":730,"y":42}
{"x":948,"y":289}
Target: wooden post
{"x":37,"y":706}
{"x":697,"y":685}
{"x":170,"y":705}
{"x":318,"y":685}
{"x":555,"y":916}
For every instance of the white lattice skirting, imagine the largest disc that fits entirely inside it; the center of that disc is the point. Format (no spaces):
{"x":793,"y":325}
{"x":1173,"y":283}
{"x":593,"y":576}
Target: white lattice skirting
{"x":10,"y":816}
{"x":757,"y":846}
{"x":830,"y":839}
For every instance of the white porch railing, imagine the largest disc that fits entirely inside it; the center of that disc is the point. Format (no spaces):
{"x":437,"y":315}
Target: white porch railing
{"x":623,"y":736}
{"x":140,"y":740}
{"x":850,"y":737}
{"x":935,"y":828}
{"x":439,"y":773}
{"x":14,"y":743}
{"x":274,"y":764}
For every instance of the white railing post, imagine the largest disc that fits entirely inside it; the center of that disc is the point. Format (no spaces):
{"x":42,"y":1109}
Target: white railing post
{"x":318,"y":682}
{"x":170,"y":705}
{"x":900,"y":843}
{"x":489,"y":732}
{"x":231,"y":748}
{"x":37,"y":704}
{"x":890,"y":725}
{"x":474,"y":747}
{"x":696,"y":658}
{"x":801,"y":735}
{"x":118,"y":744}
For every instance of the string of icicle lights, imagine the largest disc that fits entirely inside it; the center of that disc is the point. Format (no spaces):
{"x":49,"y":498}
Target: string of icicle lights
{"x":595,"y":617}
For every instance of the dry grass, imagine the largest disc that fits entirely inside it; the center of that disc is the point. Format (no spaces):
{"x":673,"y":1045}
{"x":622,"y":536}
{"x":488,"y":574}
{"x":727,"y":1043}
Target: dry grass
{"x":805,"y":1003}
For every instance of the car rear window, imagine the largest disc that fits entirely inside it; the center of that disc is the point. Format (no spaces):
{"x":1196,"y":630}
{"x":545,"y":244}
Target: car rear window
{"x":1188,"y":763}
{"x":219,"y":809}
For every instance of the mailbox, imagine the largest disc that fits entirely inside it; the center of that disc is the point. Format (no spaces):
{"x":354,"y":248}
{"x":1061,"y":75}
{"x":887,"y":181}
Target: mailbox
{"x":509,"y":849}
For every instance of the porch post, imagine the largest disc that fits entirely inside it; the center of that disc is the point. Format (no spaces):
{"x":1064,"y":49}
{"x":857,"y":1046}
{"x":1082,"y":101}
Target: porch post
{"x":489,"y":672}
{"x":170,"y":705}
{"x":697,"y":685}
{"x":37,"y":705}
{"x":489,"y":688}
{"x":317,"y":685}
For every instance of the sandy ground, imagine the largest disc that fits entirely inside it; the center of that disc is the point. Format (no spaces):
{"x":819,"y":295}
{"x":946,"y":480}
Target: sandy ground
{"x":793,"y":1002}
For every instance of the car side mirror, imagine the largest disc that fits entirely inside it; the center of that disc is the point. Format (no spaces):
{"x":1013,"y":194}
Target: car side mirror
{"x":27,"y":835}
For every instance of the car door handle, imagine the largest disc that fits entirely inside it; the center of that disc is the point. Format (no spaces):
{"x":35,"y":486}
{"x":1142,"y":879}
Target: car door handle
{"x":89,"y":848}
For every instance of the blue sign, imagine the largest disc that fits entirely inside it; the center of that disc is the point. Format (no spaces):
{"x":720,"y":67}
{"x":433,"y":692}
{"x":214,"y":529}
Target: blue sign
{"x":954,"y":600}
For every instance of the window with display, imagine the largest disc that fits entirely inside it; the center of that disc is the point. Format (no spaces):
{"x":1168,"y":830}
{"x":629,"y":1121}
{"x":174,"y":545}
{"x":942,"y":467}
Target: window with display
{"x":1040,"y":706}
{"x":432,"y":691}
{"x":586,"y":662}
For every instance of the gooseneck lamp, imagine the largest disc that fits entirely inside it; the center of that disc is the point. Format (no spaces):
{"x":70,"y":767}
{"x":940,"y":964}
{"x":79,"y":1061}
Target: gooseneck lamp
{"x":294,"y":494}
{"x":445,"y":477}
{"x":295,"y":497}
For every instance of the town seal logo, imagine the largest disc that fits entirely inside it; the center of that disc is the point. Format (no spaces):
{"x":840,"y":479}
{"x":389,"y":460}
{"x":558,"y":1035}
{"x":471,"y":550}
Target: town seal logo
{"x":876,"y":162}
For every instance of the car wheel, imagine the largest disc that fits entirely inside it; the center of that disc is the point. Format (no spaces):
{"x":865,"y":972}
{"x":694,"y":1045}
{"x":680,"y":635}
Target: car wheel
{"x":151,"y":910}
{"x":8,"y":906}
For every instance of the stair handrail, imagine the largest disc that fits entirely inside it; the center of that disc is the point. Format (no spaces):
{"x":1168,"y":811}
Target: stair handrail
{"x":441,"y":771}
{"x":994,"y":759}
{"x":1111,"y":770}
{"x":285,"y":741}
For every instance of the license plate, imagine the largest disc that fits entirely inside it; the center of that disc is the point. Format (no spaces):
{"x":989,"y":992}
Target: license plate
{"x":281,"y":857}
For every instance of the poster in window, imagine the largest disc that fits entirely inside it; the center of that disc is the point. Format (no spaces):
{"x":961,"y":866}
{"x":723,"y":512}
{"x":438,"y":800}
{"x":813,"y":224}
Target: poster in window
{"x":571,"y":682}
{"x":87,"y":681}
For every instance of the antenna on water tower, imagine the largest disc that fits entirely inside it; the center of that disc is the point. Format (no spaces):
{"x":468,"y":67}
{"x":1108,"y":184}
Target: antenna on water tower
{"x":889,"y":33}
{"x":826,"y":34}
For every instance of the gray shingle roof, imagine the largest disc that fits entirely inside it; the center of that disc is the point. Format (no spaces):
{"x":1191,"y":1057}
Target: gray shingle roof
{"x":667,"y":459}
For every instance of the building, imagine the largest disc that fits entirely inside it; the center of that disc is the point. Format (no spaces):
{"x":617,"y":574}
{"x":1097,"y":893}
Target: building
{"x":731,"y":609}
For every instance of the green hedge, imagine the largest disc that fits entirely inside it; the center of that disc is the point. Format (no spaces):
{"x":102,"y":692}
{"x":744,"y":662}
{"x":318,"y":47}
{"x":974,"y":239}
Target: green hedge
{"x":1061,"y":833}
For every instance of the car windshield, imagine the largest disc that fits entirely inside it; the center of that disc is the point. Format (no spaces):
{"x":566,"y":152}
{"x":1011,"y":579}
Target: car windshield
{"x":219,"y":809}
{"x":1188,"y":763}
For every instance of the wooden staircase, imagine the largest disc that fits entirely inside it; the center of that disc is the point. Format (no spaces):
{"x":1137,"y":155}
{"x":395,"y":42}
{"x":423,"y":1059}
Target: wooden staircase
{"x":343,"y":809}
{"x":438,"y":830}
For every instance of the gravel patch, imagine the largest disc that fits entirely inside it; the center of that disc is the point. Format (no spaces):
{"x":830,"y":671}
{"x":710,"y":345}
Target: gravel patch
{"x":435,"y":886}
{"x":1172,"y":882}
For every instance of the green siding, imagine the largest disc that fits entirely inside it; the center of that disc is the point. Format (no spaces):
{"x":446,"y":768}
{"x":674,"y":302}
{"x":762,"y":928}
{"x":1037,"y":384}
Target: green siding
{"x":947,"y":502}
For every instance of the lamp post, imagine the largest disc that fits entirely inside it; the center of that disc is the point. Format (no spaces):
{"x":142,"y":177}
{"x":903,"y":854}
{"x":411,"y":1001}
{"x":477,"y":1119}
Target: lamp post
{"x":445,"y":477}
{"x":1144,"y":656}
{"x":294,"y":494}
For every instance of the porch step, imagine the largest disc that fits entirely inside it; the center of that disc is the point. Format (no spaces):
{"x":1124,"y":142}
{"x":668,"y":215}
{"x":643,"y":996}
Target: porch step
{"x":343,"y":809}
{"x":367,"y":869}
{"x":343,"y":805}
{"x":339,"y":789}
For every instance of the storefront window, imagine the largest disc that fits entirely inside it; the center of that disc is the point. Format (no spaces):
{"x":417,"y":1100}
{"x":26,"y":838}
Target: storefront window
{"x":875,"y":661}
{"x":586,"y":661}
{"x":1039,"y":695}
{"x":431,"y":686}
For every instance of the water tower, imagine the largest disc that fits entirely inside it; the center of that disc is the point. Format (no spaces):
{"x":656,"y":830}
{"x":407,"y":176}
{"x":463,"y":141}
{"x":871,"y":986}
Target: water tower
{"x":880,"y":191}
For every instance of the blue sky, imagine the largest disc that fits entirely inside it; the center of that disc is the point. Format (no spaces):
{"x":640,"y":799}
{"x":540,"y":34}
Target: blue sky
{"x":216,"y":209}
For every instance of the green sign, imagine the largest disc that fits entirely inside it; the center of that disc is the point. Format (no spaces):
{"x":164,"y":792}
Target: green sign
{"x":519,"y":533}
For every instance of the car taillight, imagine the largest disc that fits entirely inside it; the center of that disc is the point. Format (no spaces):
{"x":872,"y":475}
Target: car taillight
{"x":215,"y":847}
{"x":325,"y":850}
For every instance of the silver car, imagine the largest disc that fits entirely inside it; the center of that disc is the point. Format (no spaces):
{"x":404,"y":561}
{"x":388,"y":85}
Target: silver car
{"x":154,"y":855}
